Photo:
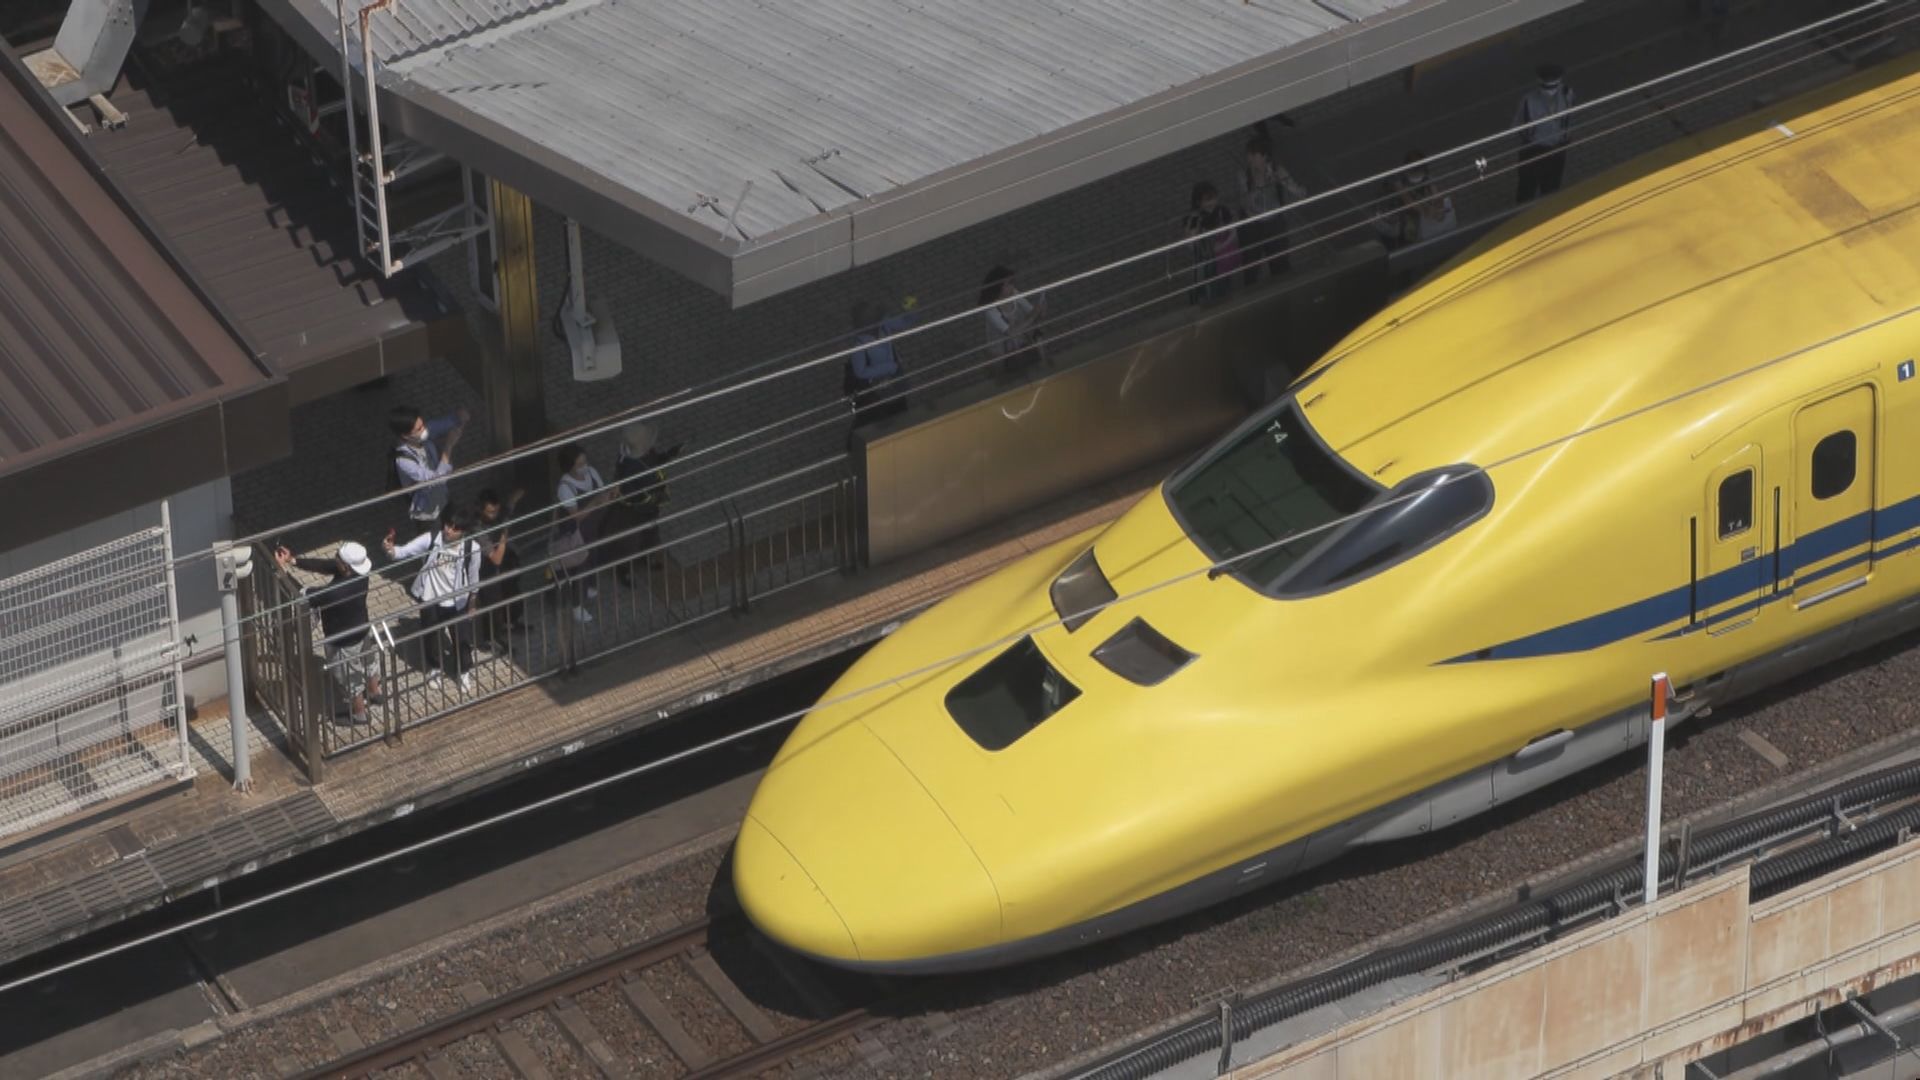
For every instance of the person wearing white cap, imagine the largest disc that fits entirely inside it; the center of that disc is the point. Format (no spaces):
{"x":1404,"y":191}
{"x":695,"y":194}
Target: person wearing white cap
{"x":342,"y":604}
{"x":1543,"y":142}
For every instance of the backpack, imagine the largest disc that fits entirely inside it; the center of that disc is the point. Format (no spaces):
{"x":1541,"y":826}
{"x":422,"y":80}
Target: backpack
{"x":395,"y":482}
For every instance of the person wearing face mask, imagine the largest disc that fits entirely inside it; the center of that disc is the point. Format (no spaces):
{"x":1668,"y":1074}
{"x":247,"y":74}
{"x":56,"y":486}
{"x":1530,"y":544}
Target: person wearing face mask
{"x":422,"y":452}
{"x":1544,"y":134}
{"x":444,"y":587}
{"x":581,"y":499}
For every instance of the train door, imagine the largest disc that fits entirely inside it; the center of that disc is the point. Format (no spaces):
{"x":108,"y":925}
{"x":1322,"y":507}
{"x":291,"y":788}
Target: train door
{"x":1733,"y":569}
{"x":1833,"y":452}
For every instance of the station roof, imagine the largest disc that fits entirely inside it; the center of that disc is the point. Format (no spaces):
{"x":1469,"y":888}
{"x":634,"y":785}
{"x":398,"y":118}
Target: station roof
{"x":257,"y":220}
{"x":755,"y":147}
{"x":119,"y":381}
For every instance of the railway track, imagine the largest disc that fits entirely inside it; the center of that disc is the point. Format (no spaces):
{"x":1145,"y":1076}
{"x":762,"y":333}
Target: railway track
{"x":527,"y":1031}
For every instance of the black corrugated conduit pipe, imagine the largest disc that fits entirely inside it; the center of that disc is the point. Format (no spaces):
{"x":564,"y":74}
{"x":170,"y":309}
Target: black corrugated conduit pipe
{"x":1789,"y":868}
{"x":1533,"y":918}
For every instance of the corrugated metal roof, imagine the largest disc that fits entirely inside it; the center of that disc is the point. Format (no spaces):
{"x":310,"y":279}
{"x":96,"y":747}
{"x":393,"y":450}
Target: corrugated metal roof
{"x":818,"y":104}
{"x":91,"y":327}
{"x":864,"y":126}
{"x":256,"y":220}
{"x":119,"y":384}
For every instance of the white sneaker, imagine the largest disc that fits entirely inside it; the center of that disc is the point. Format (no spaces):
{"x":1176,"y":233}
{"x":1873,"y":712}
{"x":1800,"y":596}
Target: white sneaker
{"x":466,"y":682}
{"x":435,"y":681}
{"x":593,"y":592}
{"x":582,"y":615}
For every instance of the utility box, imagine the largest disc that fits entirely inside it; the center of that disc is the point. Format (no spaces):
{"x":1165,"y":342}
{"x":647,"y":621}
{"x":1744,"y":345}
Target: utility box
{"x":593,"y":341}
{"x":592,"y":338}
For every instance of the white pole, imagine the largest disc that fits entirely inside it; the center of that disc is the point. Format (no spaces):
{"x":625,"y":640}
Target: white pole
{"x":1656,"y":753}
{"x":184,"y":767}
{"x":232,"y":566}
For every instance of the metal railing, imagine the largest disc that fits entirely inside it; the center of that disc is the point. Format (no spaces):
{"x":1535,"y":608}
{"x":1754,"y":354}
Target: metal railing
{"x":276,"y":630}
{"x":536,"y":618}
{"x":90,"y":699}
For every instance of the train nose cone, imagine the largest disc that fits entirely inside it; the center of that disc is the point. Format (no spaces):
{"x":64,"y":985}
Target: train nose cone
{"x":782,"y":900}
{"x":846,"y":856}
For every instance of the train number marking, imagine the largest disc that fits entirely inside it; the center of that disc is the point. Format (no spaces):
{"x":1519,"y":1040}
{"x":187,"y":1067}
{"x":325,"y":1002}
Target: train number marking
{"x":1905,"y":370}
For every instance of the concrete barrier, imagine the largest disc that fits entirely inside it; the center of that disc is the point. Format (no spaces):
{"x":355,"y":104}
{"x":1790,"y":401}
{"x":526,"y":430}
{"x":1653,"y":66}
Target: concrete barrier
{"x":1642,"y":994}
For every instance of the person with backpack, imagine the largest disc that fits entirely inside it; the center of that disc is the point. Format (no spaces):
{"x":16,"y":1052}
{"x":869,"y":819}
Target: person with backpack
{"x":580,"y":503}
{"x":351,"y":655}
{"x":1265,"y":187}
{"x":1014,"y":321}
{"x":1216,"y":254}
{"x":1411,"y":209}
{"x":873,"y":369}
{"x":444,"y":587}
{"x":500,"y":570}
{"x":639,"y":479}
{"x":422,"y":452}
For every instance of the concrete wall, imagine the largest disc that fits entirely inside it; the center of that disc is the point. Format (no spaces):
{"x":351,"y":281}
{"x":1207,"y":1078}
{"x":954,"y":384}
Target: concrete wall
{"x":200,"y":515}
{"x":1646,"y":992}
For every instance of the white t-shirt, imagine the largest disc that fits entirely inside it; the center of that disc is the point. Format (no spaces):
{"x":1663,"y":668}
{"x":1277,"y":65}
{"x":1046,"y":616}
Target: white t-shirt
{"x":1003,"y":317}
{"x":571,"y":491}
{"x":445,"y":578}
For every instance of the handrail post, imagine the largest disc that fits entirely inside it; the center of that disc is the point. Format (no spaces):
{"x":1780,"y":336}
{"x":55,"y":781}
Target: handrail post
{"x":844,"y":524}
{"x":568,"y":598}
{"x":300,"y":640}
{"x":389,"y":710}
{"x":737,"y":541}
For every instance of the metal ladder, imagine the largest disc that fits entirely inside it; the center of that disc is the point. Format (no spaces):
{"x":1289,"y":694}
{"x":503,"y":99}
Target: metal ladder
{"x":386,"y":162}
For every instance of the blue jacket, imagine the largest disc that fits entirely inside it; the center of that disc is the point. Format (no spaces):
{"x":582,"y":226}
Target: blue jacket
{"x":419,"y":464}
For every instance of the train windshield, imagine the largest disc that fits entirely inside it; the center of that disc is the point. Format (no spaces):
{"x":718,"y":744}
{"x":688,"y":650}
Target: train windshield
{"x":1277,"y":479}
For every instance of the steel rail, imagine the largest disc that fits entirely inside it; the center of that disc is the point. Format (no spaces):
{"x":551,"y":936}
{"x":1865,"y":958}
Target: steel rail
{"x":414,"y":1046}
{"x":410,"y":1046}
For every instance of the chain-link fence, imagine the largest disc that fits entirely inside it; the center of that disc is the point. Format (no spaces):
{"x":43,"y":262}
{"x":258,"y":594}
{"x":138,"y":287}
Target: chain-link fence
{"x":90,"y":702}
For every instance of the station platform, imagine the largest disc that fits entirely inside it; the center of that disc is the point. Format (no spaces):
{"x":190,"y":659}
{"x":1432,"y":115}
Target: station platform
{"x":59,"y":884}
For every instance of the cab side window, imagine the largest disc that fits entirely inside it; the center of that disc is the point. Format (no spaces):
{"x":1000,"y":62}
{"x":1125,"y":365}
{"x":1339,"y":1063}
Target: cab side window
{"x":1736,"y":504}
{"x":1833,"y":464}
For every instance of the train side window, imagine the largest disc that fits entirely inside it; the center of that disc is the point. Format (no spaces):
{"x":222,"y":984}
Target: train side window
{"x":1141,"y":654}
{"x":1736,"y":504}
{"x":1833,"y":464}
{"x":1009,"y":697}
{"x":1420,"y":512}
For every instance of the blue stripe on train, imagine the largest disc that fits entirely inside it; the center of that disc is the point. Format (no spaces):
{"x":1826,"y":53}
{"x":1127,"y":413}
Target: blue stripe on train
{"x":1650,"y":614}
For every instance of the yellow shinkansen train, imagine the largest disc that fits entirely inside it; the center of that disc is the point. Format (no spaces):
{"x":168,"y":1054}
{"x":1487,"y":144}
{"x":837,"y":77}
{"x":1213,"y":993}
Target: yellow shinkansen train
{"x":1666,"y":422}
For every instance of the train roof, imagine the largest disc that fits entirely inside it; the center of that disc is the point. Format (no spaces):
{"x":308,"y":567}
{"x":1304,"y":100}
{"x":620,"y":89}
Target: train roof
{"x":1772,"y":234}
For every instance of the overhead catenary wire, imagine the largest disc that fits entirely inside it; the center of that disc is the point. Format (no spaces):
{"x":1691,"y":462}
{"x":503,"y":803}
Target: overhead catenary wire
{"x":835,"y":407}
{"x":1158,"y":227}
{"x":1361,"y":222}
{"x":613,"y":538}
{"x":683,"y":399}
{"x":1210,"y":570}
